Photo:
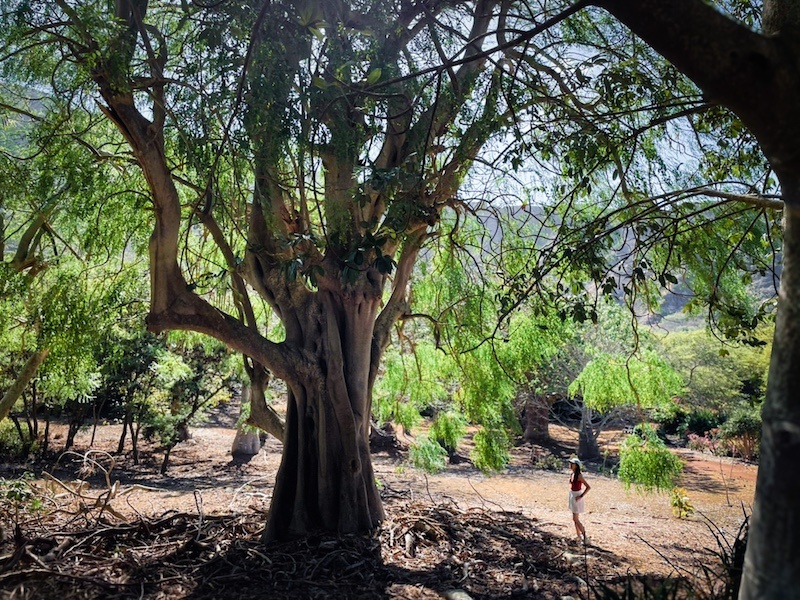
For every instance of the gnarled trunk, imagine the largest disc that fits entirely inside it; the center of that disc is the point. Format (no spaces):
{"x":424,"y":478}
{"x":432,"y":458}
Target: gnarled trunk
{"x":325,"y":481}
{"x":536,"y":414}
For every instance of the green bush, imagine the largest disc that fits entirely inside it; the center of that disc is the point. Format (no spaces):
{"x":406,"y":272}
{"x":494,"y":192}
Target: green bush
{"x":428,"y":455}
{"x":700,"y":421}
{"x":448,"y":428}
{"x":669,"y":416}
{"x":648,"y":463}
{"x":491,"y":449}
{"x":742,"y":433}
{"x":549,"y":463}
{"x":11,"y":446}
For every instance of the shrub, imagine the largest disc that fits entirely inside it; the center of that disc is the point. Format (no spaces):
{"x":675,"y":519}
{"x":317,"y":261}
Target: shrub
{"x":11,"y":445}
{"x":704,"y":443}
{"x":406,"y":414}
{"x":742,"y":433}
{"x":428,"y":455}
{"x":700,"y":421}
{"x":549,"y":463}
{"x":647,"y":462}
{"x":670,"y":416}
{"x":681,"y":506}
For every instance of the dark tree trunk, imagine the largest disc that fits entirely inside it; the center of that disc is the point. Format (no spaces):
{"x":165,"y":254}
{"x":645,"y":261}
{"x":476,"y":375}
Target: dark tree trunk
{"x":125,"y":423}
{"x":18,"y":427}
{"x":72,"y":431}
{"x":135,"y":441}
{"x":46,"y":437}
{"x":96,"y":411}
{"x":587,"y":440}
{"x":325,"y":481}
{"x":537,"y":418}
{"x":165,"y":462}
{"x":76,"y":415}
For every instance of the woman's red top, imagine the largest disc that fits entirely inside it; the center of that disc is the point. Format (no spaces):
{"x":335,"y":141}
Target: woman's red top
{"x":575,"y":483}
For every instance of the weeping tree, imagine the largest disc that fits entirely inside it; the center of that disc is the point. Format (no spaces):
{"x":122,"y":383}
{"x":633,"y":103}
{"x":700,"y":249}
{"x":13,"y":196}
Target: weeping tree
{"x":302,"y":153}
{"x":59,"y":290}
{"x":453,"y":363}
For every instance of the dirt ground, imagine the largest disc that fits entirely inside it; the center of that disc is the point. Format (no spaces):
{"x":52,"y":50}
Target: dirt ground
{"x":637,"y":529}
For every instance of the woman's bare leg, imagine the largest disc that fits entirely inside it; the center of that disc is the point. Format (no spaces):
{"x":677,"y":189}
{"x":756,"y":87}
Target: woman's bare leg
{"x":579,"y":528}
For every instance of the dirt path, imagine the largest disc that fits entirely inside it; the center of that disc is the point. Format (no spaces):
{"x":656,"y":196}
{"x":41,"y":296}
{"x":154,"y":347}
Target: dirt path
{"x":639,"y":529}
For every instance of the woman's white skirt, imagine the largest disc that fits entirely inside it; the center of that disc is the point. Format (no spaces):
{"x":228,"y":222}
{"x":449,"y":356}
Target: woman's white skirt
{"x":575,"y":503}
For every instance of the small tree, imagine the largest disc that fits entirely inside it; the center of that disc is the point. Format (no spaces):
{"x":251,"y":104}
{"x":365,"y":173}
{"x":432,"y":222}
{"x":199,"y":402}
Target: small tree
{"x":645,"y":461}
{"x":608,"y":382}
{"x":742,"y":432}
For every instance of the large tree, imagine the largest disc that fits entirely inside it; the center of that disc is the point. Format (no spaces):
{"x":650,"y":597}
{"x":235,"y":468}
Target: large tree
{"x":754,"y":70}
{"x":315,"y":146}
{"x":308,"y":152}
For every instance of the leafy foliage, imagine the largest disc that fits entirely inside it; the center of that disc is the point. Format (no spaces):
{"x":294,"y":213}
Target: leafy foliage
{"x":742,"y":432}
{"x":491,"y":449}
{"x":718,"y":376}
{"x":609,"y":381}
{"x":646,"y":462}
{"x":19,"y":498}
{"x":314,"y":151}
{"x":428,"y":455}
{"x":448,"y":428}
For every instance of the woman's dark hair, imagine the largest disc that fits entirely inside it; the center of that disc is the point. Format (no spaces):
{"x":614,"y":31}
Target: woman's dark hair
{"x":576,"y":472}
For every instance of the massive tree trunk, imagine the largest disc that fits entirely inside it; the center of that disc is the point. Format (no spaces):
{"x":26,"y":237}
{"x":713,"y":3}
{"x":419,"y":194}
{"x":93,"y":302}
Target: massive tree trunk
{"x":758,"y":77}
{"x":325,"y":481}
{"x":336,"y":327}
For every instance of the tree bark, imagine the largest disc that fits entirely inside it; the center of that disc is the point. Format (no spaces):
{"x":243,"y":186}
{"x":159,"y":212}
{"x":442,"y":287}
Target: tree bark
{"x":325,"y":481}
{"x":587,"y":441}
{"x":24,"y":377}
{"x":772,"y":560}
{"x":262,"y":415}
{"x":537,"y":417}
{"x":757,"y":77}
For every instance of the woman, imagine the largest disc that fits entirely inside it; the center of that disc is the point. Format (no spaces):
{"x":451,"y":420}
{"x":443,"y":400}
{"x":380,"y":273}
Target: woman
{"x":576,"y":482}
